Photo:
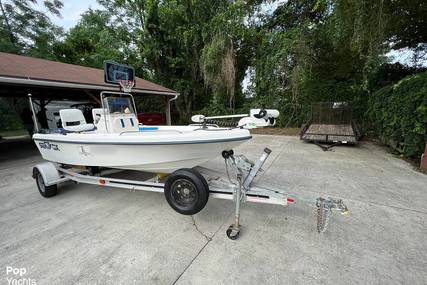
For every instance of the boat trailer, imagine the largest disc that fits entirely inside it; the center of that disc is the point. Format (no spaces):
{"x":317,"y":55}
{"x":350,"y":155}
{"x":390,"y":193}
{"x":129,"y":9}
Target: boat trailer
{"x":187,"y":190}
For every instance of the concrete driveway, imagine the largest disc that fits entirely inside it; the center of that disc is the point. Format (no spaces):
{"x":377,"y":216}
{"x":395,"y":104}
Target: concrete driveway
{"x":92,"y":235}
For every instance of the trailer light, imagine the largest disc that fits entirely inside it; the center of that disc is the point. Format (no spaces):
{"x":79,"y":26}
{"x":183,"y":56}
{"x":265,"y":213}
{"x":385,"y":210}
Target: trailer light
{"x":291,"y":200}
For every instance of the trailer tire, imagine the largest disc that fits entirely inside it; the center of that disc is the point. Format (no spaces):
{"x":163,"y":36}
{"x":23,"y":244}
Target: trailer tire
{"x":45,"y":191}
{"x":186,"y":191}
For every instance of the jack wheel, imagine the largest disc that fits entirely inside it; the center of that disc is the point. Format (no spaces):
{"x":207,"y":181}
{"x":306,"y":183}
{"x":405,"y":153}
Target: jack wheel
{"x":45,"y":191}
{"x":232,"y":233}
{"x":227,"y":153}
{"x":186,"y":191}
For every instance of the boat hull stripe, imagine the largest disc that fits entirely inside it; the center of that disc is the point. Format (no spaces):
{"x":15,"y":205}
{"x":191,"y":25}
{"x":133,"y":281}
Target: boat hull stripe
{"x":147,"y":143}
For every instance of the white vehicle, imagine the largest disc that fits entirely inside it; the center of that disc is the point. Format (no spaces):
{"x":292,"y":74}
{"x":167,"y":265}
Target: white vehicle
{"x":87,"y":153}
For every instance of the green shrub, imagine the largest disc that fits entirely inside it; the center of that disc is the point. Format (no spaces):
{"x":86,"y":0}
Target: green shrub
{"x":9,"y":119}
{"x":398,"y":114}
{"x":296,"y":111}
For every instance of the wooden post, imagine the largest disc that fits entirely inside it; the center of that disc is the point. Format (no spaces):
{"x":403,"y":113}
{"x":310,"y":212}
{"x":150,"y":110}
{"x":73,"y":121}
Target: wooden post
{"x":168,"y":113}
{"x":423,"y":164}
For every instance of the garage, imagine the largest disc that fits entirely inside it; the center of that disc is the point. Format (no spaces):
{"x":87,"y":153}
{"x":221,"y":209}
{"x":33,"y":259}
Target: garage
{"x":54,"y":85}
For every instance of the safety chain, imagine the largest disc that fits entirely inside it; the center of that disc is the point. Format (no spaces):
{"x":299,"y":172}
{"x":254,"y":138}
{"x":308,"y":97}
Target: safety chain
{"x":324,"y":210}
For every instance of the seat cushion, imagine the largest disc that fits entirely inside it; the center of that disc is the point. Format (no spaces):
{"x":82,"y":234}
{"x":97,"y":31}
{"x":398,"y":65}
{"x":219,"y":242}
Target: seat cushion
{"x":80,"y":128}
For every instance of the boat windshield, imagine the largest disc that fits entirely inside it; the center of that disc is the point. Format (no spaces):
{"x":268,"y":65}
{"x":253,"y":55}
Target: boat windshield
{"x":119,"y":104}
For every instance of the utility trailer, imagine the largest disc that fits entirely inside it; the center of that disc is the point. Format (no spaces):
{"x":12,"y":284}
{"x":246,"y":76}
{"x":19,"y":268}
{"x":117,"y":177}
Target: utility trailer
{"x":187,"y":190}
{"x":331,"y":124}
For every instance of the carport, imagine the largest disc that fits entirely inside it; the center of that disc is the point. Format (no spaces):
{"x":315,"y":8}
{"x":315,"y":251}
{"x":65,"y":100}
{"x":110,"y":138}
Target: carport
{"x":45,"y":80}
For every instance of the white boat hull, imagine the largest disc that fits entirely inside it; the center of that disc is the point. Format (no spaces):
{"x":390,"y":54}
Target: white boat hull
{"x":156,"y":152}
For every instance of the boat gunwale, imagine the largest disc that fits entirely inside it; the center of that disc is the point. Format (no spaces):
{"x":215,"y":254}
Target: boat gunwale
{"x":146,"y":143}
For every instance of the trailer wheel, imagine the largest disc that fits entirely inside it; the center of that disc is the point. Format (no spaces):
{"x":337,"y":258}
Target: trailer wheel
{"x":45,"y":191}
{"x":186,"y":191}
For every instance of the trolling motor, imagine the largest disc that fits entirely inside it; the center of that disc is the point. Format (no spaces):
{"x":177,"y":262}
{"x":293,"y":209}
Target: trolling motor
{"x":259,"y":118}
{"x":256,"y":118}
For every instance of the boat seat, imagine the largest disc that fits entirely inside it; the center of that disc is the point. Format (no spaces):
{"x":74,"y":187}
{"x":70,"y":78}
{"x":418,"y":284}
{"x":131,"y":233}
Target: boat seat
{"x":74,"y":121}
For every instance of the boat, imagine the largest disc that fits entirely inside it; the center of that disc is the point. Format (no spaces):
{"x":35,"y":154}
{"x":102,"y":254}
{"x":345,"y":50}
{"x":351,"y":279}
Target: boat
{"x":117,"y":140}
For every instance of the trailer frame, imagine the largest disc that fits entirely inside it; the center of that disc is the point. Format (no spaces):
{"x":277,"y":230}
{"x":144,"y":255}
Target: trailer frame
{"x":48,"y":175}
{"x":331,"y":124}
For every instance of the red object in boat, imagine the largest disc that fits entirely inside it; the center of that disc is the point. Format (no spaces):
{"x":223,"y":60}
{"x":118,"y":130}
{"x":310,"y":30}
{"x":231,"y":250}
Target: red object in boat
{"x":152,"y":119}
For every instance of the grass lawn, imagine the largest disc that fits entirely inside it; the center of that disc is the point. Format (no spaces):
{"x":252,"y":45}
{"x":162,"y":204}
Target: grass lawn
{"x":14,"y":133}
{"x":276,"y":131}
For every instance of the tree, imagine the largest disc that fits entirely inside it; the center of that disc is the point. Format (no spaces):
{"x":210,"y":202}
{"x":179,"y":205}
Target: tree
{"x":93,"y":40}
{"x":24,"y":29}
{"x":219,"y":67}
{"x":319,"y":51}
{"x":305,"y":51}
{"x":408,"y":25}
{"x":172,"y":36}
{"x":228,"y":49}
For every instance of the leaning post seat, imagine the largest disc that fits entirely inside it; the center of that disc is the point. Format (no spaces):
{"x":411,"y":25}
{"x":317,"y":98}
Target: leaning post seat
{"x":74,"y":121}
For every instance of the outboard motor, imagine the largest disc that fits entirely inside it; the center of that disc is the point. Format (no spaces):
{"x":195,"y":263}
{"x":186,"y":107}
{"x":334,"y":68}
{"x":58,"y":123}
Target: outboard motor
{"x":266,"y":114}
{"x":259,"y":118}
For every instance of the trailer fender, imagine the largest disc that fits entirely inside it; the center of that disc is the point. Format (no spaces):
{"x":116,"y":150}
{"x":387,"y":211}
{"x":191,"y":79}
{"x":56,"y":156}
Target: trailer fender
{"x":48,"y":171}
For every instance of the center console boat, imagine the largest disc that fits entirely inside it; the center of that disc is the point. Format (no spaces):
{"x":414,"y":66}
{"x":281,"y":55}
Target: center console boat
{"x":117,"y":140}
